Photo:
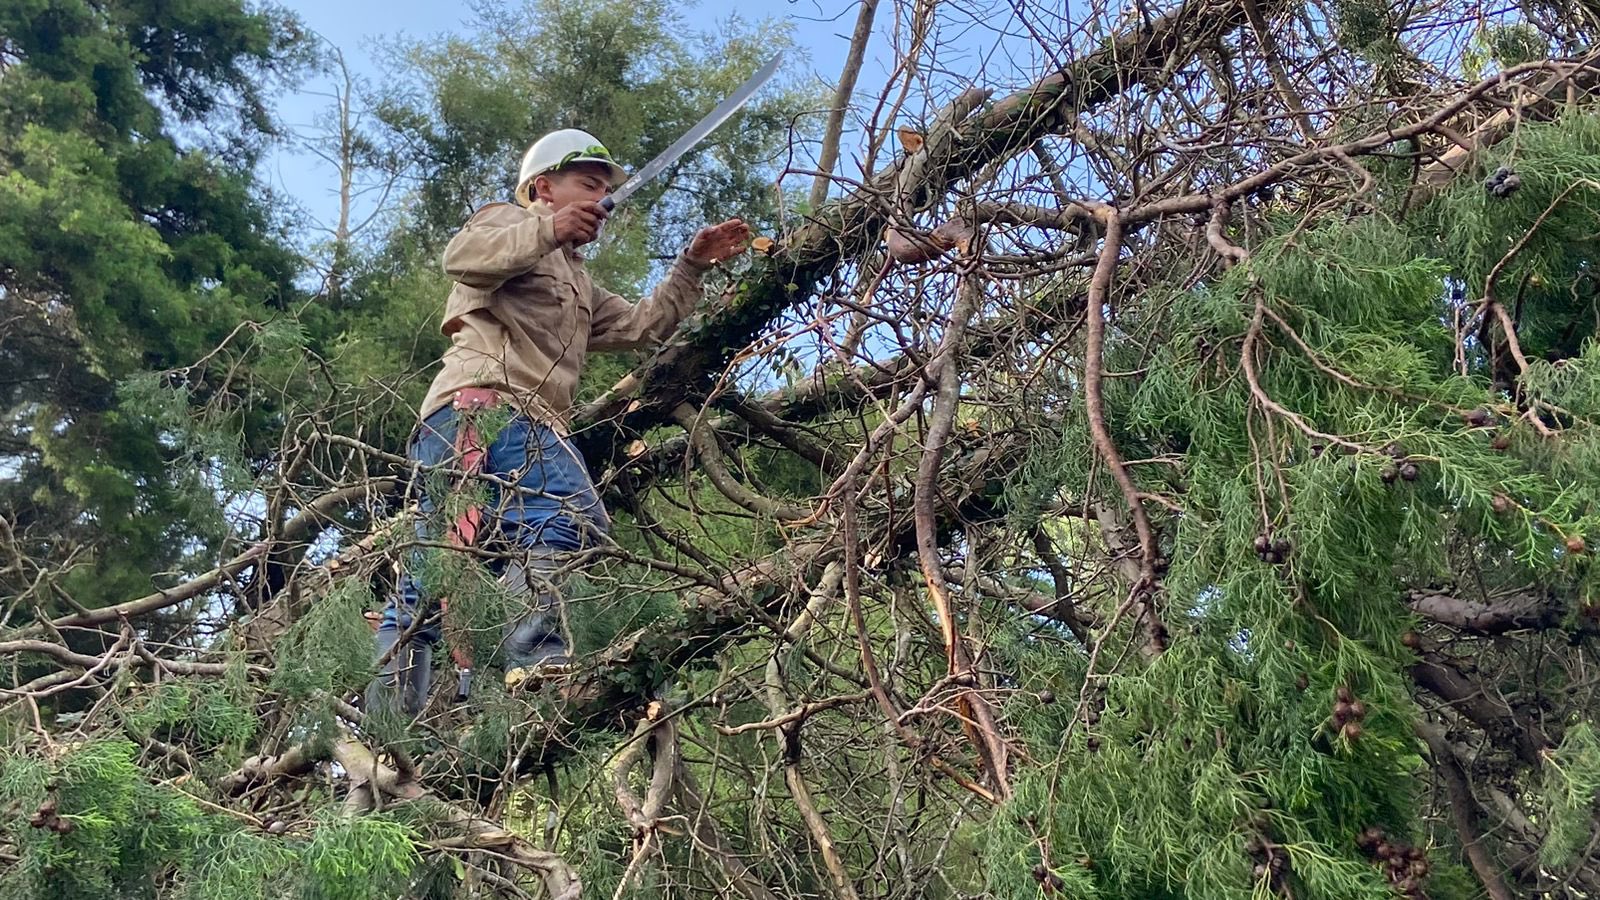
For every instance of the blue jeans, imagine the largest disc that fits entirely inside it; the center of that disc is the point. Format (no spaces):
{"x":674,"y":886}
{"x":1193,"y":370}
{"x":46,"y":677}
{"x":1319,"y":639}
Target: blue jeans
{"x":555,"y":508}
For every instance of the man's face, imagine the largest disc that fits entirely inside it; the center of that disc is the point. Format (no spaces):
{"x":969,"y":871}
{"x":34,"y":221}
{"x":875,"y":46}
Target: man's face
{"x":579,"y":181}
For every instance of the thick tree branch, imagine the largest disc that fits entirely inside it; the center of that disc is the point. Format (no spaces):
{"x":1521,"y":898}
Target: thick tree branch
{"x":1105,"y":445}
{"x":1532,"y":610}
{"x":561,"y":882}
{"x":1463,"y":811}
{"x":1490,"y":713}
{"x":980,"y":719}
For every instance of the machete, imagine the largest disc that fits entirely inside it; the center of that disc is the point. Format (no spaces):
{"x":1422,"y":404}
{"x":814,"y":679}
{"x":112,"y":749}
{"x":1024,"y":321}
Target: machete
{"x":695,"y":135}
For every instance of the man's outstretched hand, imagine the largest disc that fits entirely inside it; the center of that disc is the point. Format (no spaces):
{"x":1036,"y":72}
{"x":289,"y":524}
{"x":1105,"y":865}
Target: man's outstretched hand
{"x":715,"y":243}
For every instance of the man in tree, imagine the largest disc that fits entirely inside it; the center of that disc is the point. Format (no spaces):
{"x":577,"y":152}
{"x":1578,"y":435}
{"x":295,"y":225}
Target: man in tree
{"x":521,"y":317}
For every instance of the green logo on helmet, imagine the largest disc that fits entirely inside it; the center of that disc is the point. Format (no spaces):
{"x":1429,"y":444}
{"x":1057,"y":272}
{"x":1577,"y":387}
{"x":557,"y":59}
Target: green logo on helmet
{"x":594,"y":151}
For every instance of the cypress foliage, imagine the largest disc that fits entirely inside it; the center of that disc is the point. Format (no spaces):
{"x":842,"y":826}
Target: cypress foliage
{"x":1355,"y":663}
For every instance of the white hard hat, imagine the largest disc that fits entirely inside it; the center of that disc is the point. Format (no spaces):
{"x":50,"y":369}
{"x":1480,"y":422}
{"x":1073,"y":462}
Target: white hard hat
{"x":559,"y":149}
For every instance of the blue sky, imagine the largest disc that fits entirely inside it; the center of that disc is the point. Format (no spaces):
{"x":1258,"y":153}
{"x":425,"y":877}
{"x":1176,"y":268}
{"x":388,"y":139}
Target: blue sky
{"x":821,"y":28}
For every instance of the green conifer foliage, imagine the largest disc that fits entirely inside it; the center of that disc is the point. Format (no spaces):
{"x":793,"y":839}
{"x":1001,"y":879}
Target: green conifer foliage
{"x":126,"y":246}
{"x":1232,"y":738}
{"x":1207,"y":512}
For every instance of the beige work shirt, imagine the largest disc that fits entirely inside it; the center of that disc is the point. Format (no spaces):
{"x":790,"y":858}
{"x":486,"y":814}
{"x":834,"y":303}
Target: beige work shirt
{"x":524,"y":312}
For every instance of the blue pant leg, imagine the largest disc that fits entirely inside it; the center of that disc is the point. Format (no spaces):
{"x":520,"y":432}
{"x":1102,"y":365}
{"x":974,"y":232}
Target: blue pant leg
{"x":556,"y":503}
{"x":409,"y":669}
{"x":433,"y":443}
{"x":554,"y":511}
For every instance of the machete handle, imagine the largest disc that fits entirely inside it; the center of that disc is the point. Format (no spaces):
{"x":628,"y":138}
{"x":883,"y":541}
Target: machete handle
{"x":607,"y":204}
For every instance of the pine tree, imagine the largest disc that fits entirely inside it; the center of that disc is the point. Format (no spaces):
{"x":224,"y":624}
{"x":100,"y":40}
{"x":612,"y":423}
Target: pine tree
{"x":133,"y":240}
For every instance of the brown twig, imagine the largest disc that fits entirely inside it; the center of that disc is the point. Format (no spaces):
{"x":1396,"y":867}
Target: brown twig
{"x":829,"y":154}
{"x":984,"y":730}
{"x":1094,"y":405}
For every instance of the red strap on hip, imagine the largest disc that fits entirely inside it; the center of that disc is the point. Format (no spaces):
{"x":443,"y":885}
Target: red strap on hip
{"x":471,"y":455}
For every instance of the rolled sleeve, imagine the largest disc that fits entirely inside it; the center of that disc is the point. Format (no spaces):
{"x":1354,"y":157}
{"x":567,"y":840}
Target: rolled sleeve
{"x":498,"y":243}
{"x":617,"y":324}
